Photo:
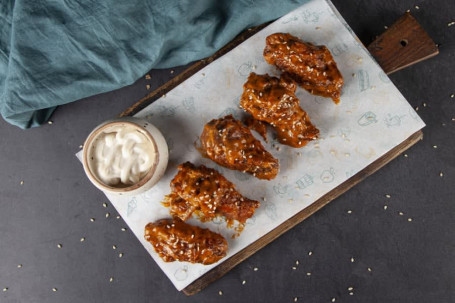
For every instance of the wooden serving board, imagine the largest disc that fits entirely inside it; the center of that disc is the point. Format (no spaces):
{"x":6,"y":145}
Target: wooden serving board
{"x":403,"y":44}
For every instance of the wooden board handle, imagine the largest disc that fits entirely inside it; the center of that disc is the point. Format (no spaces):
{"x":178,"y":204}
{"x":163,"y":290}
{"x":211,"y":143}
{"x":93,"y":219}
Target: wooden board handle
{"x":403,"y":44}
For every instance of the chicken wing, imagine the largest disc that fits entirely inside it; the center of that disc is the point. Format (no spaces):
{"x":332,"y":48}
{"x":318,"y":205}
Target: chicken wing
{"x":259,"y":126}
{"x":211,"y":195}
{"x":231,"y":144}
{"x":311,"y":66}
{"x":175,"y":240}
{"x":272,"y":100}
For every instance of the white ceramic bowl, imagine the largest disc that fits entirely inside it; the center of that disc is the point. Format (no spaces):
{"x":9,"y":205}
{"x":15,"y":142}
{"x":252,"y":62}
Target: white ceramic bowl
{"x":152,"y":176}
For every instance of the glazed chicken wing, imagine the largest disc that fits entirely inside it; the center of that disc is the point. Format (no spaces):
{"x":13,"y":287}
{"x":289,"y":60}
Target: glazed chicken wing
{"x":272,"y":100}
{"x":311,"y":66}
{"x":231,"y":144}
{"x":210,"y":195}
{"x":175,"y":240}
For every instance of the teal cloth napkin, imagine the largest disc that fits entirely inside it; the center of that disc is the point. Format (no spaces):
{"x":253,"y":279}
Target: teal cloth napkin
{"x":54,"y":52}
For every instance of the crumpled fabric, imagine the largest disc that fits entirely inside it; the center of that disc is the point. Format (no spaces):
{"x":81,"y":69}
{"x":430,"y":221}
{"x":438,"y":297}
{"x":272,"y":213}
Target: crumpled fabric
{"x":54,"y":52}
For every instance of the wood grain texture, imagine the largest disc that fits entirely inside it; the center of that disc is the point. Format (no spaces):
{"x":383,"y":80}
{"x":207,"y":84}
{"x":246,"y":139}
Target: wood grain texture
{"x":403,"y":44}
{"x":391,"y":56}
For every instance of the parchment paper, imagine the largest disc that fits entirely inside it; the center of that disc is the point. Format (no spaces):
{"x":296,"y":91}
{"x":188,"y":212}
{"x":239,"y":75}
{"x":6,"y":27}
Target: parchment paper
{"x":371,"y":119}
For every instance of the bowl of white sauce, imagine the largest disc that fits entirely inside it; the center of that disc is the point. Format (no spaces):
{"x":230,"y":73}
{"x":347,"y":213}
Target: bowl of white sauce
{"x":125,"y":156}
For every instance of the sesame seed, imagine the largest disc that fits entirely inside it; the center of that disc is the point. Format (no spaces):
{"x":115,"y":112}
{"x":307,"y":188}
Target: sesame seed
{"x":386,"y":27}
{"x":59,"y":245}
{"x":80,"y":146}
{"x":452,"y":95}
{"x":352,"y":260}
{"x":333,"y":299}
{"x":405,"y":155}
{"x":22,"y":182}
{"x":294,"y":268}
{"x":350,"y":288}
{"x":295,"y":299}
{"x":54,"y":289}
{"x":107,"y":215}
{"x":92,"y":219}
{"x":118,"y":217}
{"x":417,"y":7}
{"x":104,"y":205}
{"x":5,"y":289}
{"x":120,"y":255}
{"x":220,"y":293}
{"x":424,"y":104}
{"x":400,"y":213}
{"x":243,"y":282}
{"x":82,"y":239}
{"x":123,"y":229}
{"x":388,"y":196}
{"x":255,"y":269}
{"x":114,"y":247}
{"x":351,"y":293}
{"x":147,"y":77}
{"x":441,"y":174}
{"x":369,"y":269}
{"x":409,"y":219}
{"x":385,"y":207}
{"x":451,"y":23}
{"x":310,"y":253}
{"x":172,"y":71}
{"x":147,"y":86}
{"x":297,"y":262}
{"x":308,"y":274}
{"x":349,"y":211}
{"x":111,"y":279}
{"x":19,"y":265}
{"x":49,"y":122}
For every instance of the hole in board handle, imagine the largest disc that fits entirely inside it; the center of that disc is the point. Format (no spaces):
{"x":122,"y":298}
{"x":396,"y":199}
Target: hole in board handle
{"x":404,"y":42}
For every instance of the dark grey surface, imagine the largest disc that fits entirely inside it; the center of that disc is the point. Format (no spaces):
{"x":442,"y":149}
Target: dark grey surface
{"x":409,"y":261}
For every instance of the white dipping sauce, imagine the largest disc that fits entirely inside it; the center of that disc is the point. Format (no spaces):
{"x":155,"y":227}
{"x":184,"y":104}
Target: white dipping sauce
{"x":122,"y":156}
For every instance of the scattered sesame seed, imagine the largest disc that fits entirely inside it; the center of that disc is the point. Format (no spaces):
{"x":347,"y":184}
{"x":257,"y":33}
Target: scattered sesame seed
{"x":400,"y":213}
{"x":80,"y":146}
{"x":59,"y":245}
{"x":386,"y":27}
{"x":408,"y":10}
{"x":111,"y":279}
{"x":451,"y":23}
{"x":107,"y":215}
{"x":120,"y":255}
{"x":409,"y":219}
{"x":388,"y":196}
{"x":349,"y":211}
{"x":352,"y":260}
{"x":350,"y":288}
{"x":243,"y":282}
{"x":172,"y":71}
{"x":123,"y":229}
{"x":435,"y":146}
{"x":82,"y":239}
{"x":308,"y":274}
{"x":255,"y":269}
{"x":405,"y":155}
{"x":417,"y":7}
{"x":369,"y":269}
{"x":163,"y":96}
{"x":5,"y":289}
{"x":441,"y":174}
{"x":294,"y":268}
{"x":351,"y":293}
{"x":333,"y":299}
{"x":147,"y":86}
{"x":54,"y":289}
{"x":92,"y":219}
{"x":22,"y":182}
{"x":295,"y":299}
{"x":19,"y":265}
{"x":49,"y":122}
{"x":114,"y":247}
{"x":452,"y":96}
{"x":104,"y":205}
{"x":118,"y":217}
{"x":424,"y":104}
{"x":220,"y":293}
{"x":310,"y":253}
{"x":147,"y":77}
{"x":297,"y":262}
{"x":385,"y":207}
